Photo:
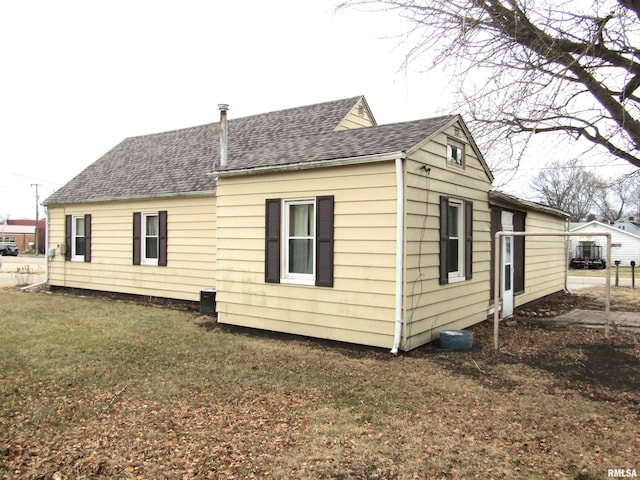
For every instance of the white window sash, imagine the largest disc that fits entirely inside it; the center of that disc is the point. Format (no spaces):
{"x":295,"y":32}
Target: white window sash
{"x":458,"y":274}
{"x":287,"y":275}
{"x":149,"y":235}
{"x":75,"y":257}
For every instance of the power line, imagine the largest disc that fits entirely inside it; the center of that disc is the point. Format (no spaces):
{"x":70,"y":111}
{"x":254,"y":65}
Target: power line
{"x":4,"y":172}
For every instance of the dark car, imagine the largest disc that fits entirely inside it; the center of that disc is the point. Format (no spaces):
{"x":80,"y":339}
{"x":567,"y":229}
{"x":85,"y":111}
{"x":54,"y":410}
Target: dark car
{"x":7,"y":249}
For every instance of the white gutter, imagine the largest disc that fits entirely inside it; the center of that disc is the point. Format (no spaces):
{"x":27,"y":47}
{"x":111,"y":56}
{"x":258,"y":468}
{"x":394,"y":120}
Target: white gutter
{"x":46,"y":256}
{"x":335,"y":162}
{"x":399,"y":255}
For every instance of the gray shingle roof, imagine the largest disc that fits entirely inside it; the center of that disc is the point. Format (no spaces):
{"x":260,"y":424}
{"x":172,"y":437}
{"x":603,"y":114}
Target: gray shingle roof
{"x":182,"y":161}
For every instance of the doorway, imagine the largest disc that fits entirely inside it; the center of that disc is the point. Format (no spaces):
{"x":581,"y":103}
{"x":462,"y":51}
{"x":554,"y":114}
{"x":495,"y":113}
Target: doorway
{"x":506,"y":259}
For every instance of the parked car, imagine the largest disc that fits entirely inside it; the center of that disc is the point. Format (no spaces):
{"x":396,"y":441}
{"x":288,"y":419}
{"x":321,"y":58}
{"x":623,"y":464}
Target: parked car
{"x":8,"y":249}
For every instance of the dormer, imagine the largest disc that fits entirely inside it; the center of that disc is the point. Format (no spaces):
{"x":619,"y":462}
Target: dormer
{"x":360,"y":116}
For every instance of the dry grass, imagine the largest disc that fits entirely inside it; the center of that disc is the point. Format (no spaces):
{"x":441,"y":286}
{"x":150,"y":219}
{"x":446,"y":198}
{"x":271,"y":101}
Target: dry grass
{"x":623,"y":272}
{"x":203,"y":401}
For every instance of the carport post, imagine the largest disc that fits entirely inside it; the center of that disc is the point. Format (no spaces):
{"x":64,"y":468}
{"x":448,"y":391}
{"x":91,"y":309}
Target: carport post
{"x":496,"y":276}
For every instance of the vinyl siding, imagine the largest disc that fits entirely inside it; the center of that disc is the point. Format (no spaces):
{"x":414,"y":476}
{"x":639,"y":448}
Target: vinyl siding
{"x":429,"y":306}
{"x":359,"y":307}
{"x":354,"y":120}
{"x":629,"y":249}
{"x":191,"y":249}
{"x":544,"y":258}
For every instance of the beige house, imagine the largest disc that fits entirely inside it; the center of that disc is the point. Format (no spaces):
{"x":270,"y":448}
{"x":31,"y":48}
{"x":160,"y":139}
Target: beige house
{"x":314,"y":221}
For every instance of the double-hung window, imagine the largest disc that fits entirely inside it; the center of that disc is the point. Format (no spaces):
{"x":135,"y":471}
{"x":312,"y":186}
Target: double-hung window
{"x":78,"y":246}
{"x":299,"y":241}
{"x":300,"y":238}
{"x":150,"y":238}
{"x":455,"y":235}
{"x":78,"y":238}
{"x":456,"y":240}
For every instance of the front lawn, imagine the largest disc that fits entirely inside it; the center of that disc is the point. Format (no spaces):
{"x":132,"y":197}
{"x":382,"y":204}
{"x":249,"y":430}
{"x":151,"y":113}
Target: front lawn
{"x":100,"y":389}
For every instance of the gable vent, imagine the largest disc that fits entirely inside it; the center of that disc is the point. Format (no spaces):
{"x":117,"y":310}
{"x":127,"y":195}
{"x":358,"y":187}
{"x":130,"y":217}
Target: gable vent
{"x":361,"y":110}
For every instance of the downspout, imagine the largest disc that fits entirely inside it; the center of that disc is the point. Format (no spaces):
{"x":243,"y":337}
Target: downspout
{"x":399,"y":255}
{"x":46,"y":256}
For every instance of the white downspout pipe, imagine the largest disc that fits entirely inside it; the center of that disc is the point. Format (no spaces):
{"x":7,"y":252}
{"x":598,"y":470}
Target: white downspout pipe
{"x":399,"y":255}
{"x":46,"y":256}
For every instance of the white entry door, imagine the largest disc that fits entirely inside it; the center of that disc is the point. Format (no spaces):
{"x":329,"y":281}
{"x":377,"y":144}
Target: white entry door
{"x":506,"y":282}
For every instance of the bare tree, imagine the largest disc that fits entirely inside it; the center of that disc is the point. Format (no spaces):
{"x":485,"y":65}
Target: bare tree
{"x":530,"y":67}
{"x":611,"y":199}
{"x":567,"y":186}
{"x":633,"y":202}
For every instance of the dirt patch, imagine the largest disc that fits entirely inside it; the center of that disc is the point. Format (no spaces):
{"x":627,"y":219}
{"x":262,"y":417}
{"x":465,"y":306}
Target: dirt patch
{"x":623,"y":299}
{"x":580,"y":359}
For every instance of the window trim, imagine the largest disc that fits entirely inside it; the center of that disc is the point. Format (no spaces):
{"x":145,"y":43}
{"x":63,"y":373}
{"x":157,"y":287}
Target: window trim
{"x":74,"y":236}
{"x":292,"y":277}
{"x":144,"y":259}
{"x":457,"y":275}
{"x":467,"y":240}
{"x":451,"y":144}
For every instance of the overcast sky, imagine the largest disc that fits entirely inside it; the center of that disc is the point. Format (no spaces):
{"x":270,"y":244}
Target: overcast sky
{"x":79,"y":76}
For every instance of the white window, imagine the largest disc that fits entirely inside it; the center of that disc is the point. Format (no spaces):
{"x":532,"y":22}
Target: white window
{"x":150,"y":238}
{"x":455,"y":154}
{"x":78,"y":246}
{"x":456,"y":240}
{"x":299,"y":241}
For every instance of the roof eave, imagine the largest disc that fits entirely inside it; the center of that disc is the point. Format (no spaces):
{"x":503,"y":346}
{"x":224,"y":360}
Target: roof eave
{"x":457,"y":119}
{"x":335,"y":162}
{"x":511,"y":200}
{"x":128,"y":198}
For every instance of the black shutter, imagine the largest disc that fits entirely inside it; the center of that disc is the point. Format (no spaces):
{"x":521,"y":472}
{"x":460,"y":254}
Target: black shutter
{"x":518,"y":252}
{"x":87,"y":238}
{"x":137,"y":232}
{"x":468,"y":240}
{"x":68,"y":219}
{"x":324,"y":241}
{"x":495,"y":227}
{"x":272,"y":241}
{"x":162,"y":238}
{"x":444,"y":240}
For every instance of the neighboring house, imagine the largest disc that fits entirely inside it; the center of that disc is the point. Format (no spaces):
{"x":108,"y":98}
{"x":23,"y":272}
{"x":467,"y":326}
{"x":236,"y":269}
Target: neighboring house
{"x":22,"y":236}
{"x":29,"y":244}
{"x":625,"y":246}
{"x":629,"y":225}
{"x":313,"y":221}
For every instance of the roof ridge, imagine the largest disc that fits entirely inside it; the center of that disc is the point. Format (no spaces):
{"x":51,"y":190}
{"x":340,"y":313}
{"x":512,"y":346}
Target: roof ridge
{"x":300,"y":107}
{"x":246,"y":117}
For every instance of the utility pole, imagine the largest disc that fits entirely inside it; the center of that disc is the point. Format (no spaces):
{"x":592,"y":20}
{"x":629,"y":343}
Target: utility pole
{"x":37,"y":208}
